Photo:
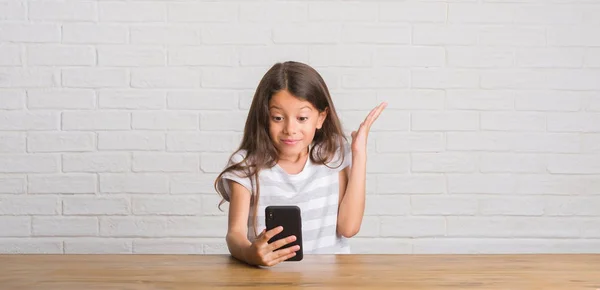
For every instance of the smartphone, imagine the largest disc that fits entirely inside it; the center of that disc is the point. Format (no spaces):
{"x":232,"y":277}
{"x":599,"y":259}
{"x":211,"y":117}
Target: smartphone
{"x":287,"y":216}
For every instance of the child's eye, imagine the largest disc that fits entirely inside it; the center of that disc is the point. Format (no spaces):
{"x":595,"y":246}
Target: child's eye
{"x":302,"y":119}
{"x":277,"y":119}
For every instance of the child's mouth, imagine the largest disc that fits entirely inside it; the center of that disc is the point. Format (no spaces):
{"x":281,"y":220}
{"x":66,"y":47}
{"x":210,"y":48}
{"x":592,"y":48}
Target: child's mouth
{"x":290,"y":142}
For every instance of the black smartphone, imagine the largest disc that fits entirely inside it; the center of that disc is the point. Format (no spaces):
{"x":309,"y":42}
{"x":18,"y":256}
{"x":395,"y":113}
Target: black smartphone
{"x":289,"y":217}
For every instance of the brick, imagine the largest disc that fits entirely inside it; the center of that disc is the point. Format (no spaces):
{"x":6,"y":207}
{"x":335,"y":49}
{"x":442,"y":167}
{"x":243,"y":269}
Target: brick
{"x":13,"y":10}
{"x":481,"y":183}
{"x":235,"y":34}
{"x":508,"y":121}
{"x":192,"y":183}
{"x":98,"y":246}
{"x":571,"y":206}
{"x":549,"y":100}
{"x":413,"y":227}
{"x":223,"y":121}
{"x":165,"y":78}
{"x":306,"y":33}
{"x":502,"y":246}
{"x":340,"y":56}
{"x":371,"y":34}
{"x":62,"y":11}
{"x":128,"y":56}
{"x":388,"y":163}
{"x":168,"y":246}
{"x":134,"y":183}
{"x":272,"y":13}
{"x":574,"y":164}
{"x":131,"y":140}
{"x":444,"y":78}
{"x":409,"y":142}
{"x":412,"y":99}
{"x":12,"y":142}
{"x":61,"y":99}
{"x":485,"y":100}
{"x":573,"y":35}
{"x":413,"y":56}
{"x":590,"y":143}
{"x":547,"y":79}
{"x":60,"y":142}
{"x":369,"y":227}
{"x":591,"y":57}
{"x":384,"y":205}
{"x":202,"y":12}
{"x":15,"y":226}
{"x":88,"y":33}
{"x":27,"y":121}
{"x":444,"y":121}
{"x":237,"y":78}
{"x":16,"y":77}
{"x":479,"y":141}
{"x":550,"y":184}
{"x":29,"y":205}
{"x":170,"y":205}
{"x":550,"y":57}
{"x":210,"y":206}
{"x":547,"y":142}
{"x":30,"y":33}
{"x":480,"y":57}
{"x":96,"y":206}
{"x":412,"y":12}
{"x":449,"y":34}
{"x":132,"y":99}
{"x":574,"y":122}
{"x":12,"y":99}
{"x":132,"y":12}
{"x":165,"y":121}
{"x":163,"y":226}
{"x":380,"y":246}
{"x":165,"y":35}
{"x":203,"y":56}
{"x":95,"y":78}
{"x":511,"y":162}
{"x":30,"y":246}
{"x":381,"y":78}
{"x":437,"y":205}
{"x":485,"y":13}
{"x":166,"y":162}
{"x":348,"y":100}
{"x":203,"y":141}
{"x":10,"y":54}
{"x":344,"y":12}
{"x":62,"y":183}
{"x":65,"y":226}
{"x":549,"y":14}
{"x":21,"y":163}
{"x":213,"y":162}
{"x":513,"y":36}
{"x":96,"y":162}
{"x":411,"y":183}
{"x":268,"y":55}
{"x":518,"y":227}
{"x":95,"y":120}
{"x":512,"y":206}
{"x":202,"y":100}
{"x":13,"y":184}
{"x":391,"y":121}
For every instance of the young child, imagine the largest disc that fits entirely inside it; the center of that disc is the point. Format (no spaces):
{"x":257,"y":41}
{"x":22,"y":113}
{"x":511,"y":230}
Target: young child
{"x":294,"y":152}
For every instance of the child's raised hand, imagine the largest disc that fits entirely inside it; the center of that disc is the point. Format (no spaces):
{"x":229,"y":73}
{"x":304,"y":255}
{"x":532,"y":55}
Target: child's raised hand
{"x":359,"y":137}
{"x":264,"y":254}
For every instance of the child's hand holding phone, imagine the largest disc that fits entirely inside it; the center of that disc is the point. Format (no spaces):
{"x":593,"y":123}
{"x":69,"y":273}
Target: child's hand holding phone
{"x":264,"y":254}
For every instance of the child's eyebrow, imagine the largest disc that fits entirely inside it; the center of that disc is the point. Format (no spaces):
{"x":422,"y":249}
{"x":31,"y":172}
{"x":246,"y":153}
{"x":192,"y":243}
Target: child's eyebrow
{"x":275,"y":107}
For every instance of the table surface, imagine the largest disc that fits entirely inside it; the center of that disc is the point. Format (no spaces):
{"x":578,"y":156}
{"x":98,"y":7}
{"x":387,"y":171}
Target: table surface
{"x":174,"y":272}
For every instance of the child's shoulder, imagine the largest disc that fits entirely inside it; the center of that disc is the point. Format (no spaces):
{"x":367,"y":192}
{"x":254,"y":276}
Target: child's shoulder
{"x":342,"y":156}
{"x":238,"y":156}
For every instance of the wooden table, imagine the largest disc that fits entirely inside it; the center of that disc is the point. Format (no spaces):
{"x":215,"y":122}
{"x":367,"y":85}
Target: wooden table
{"x":173,"y":272}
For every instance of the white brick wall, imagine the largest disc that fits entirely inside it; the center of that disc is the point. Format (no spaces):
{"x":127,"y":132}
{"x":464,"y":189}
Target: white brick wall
{"x":116,"y":116}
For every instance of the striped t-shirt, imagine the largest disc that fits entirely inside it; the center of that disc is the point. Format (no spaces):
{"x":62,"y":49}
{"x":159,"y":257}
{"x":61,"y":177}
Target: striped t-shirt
{"x":315,"y":190}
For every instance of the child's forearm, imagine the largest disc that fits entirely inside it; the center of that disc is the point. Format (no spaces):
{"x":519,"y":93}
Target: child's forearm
{"x":238,"y":245}
{"x":352,"y":206}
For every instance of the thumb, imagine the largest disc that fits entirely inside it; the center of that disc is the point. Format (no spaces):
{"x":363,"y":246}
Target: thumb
{"x":353,"y":134}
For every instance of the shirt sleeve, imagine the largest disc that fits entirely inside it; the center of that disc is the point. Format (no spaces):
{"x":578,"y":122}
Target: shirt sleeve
{"x":337,"y":163}
{"x":237,"y":176}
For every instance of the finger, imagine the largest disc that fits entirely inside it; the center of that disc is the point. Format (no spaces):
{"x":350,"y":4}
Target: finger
{"x":281,"y":259}
{"x":280,"y":243}
{"x":375,"y":114}
{"x":270,"y":234}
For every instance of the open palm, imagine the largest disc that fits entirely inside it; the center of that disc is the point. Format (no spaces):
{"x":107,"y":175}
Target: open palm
{"x":359,"y":137}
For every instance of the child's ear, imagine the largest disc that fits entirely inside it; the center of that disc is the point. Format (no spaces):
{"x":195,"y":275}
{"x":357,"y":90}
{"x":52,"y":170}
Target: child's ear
{"x":322,"y":117}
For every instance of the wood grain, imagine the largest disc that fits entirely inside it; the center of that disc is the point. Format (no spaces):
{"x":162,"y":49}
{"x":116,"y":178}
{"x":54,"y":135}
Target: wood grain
{"x":179,"y":272}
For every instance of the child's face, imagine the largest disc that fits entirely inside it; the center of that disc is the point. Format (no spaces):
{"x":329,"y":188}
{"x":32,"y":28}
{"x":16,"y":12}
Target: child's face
{"x":292,"y":123}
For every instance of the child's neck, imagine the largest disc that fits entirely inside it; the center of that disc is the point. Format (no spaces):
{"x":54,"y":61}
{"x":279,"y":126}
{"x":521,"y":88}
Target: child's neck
{"x":293,"y":164}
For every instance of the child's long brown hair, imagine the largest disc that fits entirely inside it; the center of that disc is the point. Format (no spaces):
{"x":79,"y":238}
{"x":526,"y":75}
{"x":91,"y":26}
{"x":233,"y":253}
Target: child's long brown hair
{"x":301,"y":81}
